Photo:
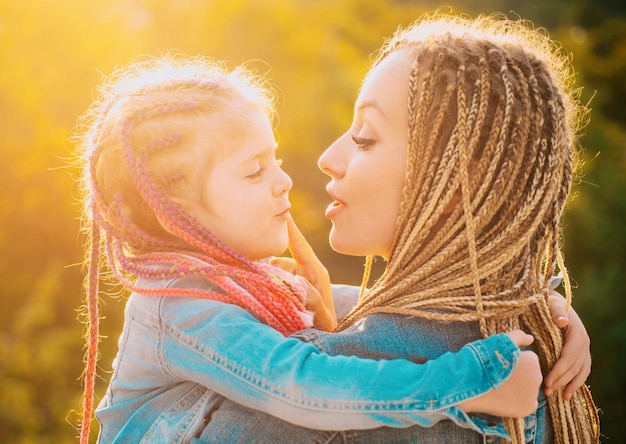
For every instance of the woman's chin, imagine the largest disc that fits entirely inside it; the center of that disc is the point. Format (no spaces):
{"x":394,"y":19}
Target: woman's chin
{"x":343,"y":246}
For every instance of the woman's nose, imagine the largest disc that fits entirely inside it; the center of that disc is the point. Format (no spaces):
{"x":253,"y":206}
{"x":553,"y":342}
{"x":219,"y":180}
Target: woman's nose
{"x":330,"y":162}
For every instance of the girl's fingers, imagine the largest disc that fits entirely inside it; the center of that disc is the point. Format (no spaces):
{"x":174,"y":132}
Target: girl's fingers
{"x":520,"y":338}
{"x":286,"y":263}
{"x":300,"y":249}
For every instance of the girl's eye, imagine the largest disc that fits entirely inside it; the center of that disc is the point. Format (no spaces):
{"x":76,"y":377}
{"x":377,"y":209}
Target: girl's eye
{"x":362,"y":143}
{"x":258,"y":173}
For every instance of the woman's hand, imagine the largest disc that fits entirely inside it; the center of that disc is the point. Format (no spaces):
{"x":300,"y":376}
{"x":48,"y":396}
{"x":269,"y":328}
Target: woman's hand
{"x":305,"y":263}
{"x":517,"y":396}
{"x":574,"y":365}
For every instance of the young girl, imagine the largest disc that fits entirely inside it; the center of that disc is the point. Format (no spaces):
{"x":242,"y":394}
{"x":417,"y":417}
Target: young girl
{"x":456,"y":169}
{"x":183,"y":198}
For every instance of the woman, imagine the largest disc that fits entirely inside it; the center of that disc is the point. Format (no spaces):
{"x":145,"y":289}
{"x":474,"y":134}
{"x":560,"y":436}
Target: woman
{"x":456,"y":170}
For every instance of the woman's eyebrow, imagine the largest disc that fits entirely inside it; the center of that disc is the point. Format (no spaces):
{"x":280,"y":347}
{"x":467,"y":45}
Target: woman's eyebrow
{"x":371,"y":104}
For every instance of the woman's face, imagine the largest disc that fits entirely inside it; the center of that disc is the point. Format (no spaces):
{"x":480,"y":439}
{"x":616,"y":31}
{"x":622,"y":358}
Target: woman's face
{"x":367,"y":164}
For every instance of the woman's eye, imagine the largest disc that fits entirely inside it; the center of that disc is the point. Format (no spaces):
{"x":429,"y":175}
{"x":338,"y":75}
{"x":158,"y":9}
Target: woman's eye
{"x":362,"y":143}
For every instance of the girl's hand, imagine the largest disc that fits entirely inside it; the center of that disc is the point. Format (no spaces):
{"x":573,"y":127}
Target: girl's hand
{"x":305,"y":263}
{"x":574,"y":365}
{"x":324,"y":316}
{"x":517,"y":396}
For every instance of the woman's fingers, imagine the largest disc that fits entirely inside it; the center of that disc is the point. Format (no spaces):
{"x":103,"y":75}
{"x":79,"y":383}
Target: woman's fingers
{"x":574,"y":365}
{"x":557,"y":305}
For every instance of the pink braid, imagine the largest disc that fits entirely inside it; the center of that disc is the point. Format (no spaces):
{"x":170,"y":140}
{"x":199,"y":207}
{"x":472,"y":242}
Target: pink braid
{"x":273,"y":296}
{"x":92,"y":335}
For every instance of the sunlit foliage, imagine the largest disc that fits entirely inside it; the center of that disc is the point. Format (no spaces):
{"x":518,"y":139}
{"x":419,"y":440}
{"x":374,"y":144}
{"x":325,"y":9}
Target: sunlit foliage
{"x":52,"y":55}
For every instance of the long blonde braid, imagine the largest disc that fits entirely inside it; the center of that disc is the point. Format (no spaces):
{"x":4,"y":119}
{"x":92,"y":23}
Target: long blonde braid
{"x":492,"y":121}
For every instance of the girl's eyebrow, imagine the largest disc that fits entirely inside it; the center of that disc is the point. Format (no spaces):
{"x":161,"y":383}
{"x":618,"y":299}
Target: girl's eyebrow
{"x":263,"y":152}
{"x":371,"y":104}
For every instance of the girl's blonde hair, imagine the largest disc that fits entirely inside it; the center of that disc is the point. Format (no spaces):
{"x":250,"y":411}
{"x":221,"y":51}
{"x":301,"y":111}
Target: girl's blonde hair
{"x":139,"y":151}
{"x":493,"y":117}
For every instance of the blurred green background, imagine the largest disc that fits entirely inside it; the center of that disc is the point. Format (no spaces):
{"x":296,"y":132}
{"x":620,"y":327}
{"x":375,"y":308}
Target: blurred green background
{"x":52,"y":55}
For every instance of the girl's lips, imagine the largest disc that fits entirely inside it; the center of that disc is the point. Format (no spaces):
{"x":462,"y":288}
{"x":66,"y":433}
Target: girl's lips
{"x":284,"y":215}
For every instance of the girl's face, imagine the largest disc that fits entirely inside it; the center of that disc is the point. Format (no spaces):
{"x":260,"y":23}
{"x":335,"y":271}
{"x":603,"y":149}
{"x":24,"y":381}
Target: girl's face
{"x":367,"y":164}
{"x":245,"y":199}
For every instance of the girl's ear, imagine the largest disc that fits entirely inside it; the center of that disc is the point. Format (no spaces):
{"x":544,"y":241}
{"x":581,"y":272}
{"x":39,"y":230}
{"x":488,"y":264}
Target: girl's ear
{"x":183,"y":203}
{"x":190,"y":205}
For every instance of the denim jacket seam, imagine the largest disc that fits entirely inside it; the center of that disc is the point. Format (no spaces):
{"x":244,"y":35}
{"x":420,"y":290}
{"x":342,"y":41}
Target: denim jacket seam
{"x":161,"y":342}
{"x":499,"y":361}
{"x":182,"y":428}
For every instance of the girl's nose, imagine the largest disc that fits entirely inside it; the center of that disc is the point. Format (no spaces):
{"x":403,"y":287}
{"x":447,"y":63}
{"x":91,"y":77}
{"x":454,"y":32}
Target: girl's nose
{"x":283,"y":183}
{"x":330,"y":162}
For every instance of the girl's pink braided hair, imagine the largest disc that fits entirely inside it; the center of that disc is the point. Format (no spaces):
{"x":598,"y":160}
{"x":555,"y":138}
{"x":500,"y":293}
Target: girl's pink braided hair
{"x":131,"y":220}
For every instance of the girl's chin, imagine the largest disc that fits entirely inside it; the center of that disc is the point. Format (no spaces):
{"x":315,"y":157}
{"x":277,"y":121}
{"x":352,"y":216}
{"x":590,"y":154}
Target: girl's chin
{"x":268,"y":253}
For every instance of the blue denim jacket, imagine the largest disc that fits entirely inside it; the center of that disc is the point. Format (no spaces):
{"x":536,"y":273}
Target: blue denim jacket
{"x":179,"y":358}
{"x":382,"y":336}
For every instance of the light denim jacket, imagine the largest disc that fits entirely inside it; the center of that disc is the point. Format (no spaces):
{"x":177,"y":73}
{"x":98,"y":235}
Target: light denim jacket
{"x":381,"y":336}
{"x":179,"y":357}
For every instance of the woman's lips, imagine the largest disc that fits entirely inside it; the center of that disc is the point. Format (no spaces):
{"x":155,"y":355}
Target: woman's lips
{"x":334,"y":208}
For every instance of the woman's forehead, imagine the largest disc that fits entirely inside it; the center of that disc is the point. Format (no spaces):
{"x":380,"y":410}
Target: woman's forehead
{"x":386,"y":87}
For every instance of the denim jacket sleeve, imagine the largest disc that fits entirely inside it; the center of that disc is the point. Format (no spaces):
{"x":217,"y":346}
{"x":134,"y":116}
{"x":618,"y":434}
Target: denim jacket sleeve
{"x":226,"y":349}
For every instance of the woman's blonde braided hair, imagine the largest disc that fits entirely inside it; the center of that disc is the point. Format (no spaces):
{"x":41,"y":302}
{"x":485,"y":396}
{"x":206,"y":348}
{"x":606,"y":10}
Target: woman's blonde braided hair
{"x":493,"y":115}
